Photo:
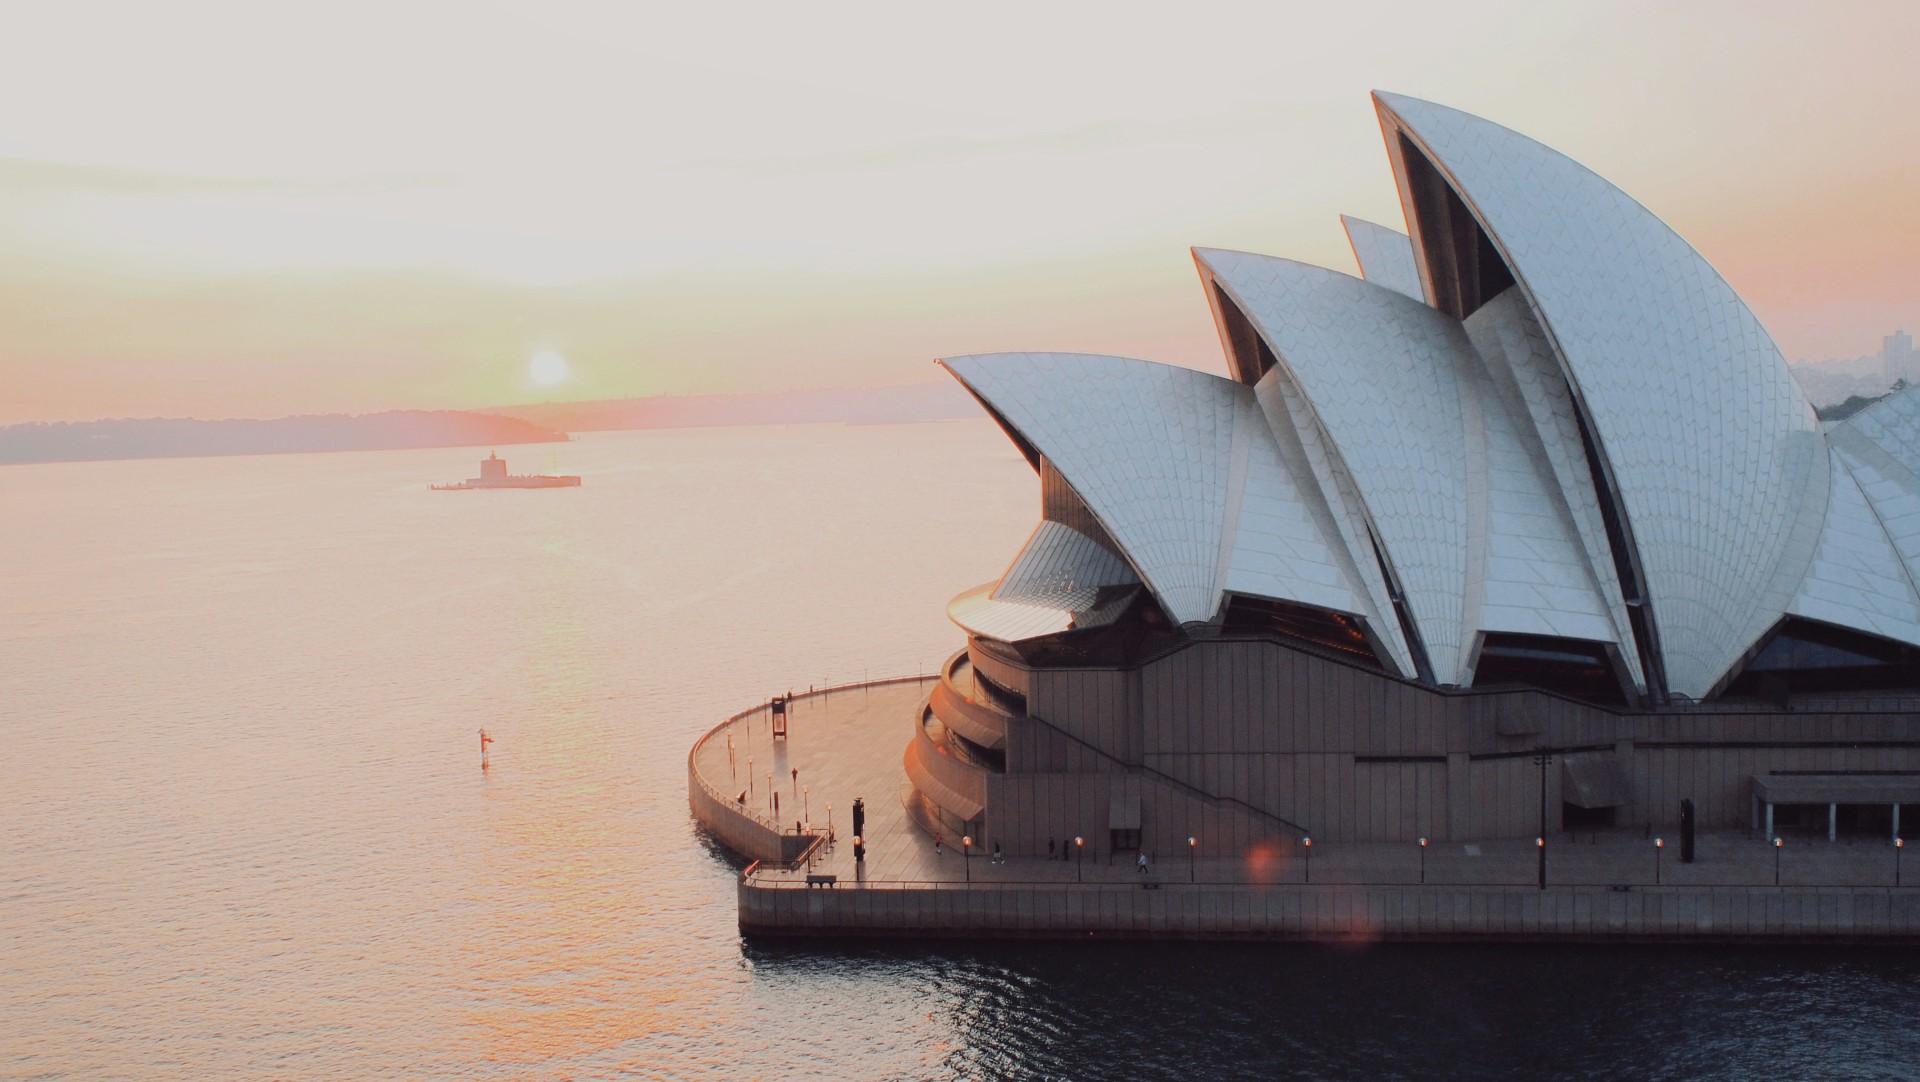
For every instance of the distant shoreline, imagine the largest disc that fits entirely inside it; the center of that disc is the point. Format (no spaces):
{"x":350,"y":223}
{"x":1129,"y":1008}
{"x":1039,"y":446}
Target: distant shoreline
{"x":395,"y":430}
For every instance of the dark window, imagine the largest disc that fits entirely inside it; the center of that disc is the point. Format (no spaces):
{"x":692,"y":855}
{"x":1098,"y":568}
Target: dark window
{"x":1249,"y":353}
{"x":1464,"y":266}
{"x":1573,"y":667}
{"x":1804,"y":656}
{"x":1333,"y":631}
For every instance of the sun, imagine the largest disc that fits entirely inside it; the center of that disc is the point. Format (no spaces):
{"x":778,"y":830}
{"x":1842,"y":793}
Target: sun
{"x":547,"y":368}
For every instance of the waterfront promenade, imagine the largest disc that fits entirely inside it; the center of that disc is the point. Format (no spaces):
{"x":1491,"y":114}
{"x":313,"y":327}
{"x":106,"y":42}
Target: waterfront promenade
{"x":848,"y":742}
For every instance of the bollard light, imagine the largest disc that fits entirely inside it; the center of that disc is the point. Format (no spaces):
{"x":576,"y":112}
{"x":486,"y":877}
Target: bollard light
{"x":1423,"y":860}
{"x":1080,"y":858}
{"x":1307,"y":845}
{"x":966,"y":850}
{"x":1777,"y":843}
{"x":1898,"y":845}
{"x":1192,"y":844}
{"x":1658,"y":845}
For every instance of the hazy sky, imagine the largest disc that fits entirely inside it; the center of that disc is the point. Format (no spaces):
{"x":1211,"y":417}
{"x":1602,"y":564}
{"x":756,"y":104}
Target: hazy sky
{"x":247,"y":209}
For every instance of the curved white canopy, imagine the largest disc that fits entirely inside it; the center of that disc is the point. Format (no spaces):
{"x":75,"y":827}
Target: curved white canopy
{"x":1542,"y":403}
{"x":1713,"y":453}
{"x":1385,"y":256}
{"x":1178,"y":470}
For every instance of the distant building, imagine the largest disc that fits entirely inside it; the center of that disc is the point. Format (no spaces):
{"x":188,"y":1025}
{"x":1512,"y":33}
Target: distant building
{"x":1896,"y":352}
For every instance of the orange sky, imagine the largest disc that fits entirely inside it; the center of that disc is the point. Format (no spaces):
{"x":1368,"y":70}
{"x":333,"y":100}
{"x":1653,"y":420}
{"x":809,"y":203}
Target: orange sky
{"x":212,"y":209}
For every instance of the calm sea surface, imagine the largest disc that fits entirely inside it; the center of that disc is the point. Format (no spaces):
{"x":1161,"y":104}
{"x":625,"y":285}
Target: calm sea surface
{"x":244,"y":832}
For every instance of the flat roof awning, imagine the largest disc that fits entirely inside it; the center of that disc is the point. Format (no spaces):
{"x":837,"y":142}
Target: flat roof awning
{"x":1595,"y":781}
{"x":1837,"y":788}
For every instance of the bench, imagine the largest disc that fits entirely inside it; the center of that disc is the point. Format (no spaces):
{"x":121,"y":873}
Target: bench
{"x":1150,"y":881}
{"x":821,"y":881}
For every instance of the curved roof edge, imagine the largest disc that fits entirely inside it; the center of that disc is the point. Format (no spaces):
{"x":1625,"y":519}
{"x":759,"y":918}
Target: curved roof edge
{"x":1385,"y":256}
{"x":1382,"y":373}
{"x":1709,"y":447}
{"x":1144,"y":445}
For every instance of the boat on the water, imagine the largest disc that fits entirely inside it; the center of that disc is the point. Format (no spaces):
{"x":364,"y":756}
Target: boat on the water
{"x":493,"y":474}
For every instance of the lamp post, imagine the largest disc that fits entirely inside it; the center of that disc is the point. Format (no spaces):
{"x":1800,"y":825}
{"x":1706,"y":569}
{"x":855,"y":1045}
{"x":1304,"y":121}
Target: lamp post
{"x":773,"y":796}
{"x":806,"y":802}
{"x":749,"y":775}
{"x":1080,"y":858}
{"x":966,"y":851}
{"x":733,"y":765}
{"x":1777,"y":843}
{"x":1307,"y":845}
{"x":1192,"y":844}
{"x":1542,"y":760}
{"x":829,"y":824}
{"x":1898,"y":845}
{"x":1658,"y":845}
{"x":1423,"y":861}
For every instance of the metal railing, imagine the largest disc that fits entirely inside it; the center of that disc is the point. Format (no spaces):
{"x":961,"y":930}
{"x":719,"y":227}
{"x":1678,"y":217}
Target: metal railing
{"x":726,"y":800}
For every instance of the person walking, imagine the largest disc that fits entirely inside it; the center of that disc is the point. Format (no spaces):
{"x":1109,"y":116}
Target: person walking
{"x":1142,"y":861}
{"x":936,"y":845}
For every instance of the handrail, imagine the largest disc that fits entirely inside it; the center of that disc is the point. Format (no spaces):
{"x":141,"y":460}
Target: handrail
{"x":819,"y":839}
{"x":726,"y":799}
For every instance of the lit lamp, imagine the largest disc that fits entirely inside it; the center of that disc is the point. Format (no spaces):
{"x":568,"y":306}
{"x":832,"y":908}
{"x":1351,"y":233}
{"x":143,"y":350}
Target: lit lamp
{"x":1307,"y":844}
{"x":1777,"y":843}
{"x":1423,"y":860}
{"x":1192,"y":844}
{"x":1658,"y":845}
{"x":1898,"y":844}
{"x":1540,"y":843}
{"x":1080,"y":857}
{"x":966,"y":850}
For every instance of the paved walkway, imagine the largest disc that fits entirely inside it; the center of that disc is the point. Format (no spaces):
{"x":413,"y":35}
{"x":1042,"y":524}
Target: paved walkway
{"x":849,"y":742}
{"x":845,"y":743}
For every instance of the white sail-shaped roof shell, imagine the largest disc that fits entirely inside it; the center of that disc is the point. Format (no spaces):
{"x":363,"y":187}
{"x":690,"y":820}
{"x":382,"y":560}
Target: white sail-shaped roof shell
{"x":1867,"y":568}
{"x":1713,"y":453}
{"x":1558,"y":422}
{"x":1385,"y":256}
{"x":1455,"y":486}
{"x":1378,"y":370}
{"x":1179,"y":471}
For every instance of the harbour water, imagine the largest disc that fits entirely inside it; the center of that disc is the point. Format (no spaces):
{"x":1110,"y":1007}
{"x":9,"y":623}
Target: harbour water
{"x":244,"y":832}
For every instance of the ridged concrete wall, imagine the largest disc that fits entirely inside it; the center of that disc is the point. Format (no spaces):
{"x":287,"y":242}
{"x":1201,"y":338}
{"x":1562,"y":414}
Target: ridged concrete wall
{"x":1355,"y":756}
{"x":1334,"y":913}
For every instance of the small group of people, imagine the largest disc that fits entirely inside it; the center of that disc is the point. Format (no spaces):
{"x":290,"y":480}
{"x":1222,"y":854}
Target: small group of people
{"x":1067,"y":848}
{"x":939,"y":847}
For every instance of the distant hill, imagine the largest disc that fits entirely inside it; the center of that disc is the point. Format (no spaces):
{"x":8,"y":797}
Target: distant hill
{"x":179,"y":437}
{"x":1854,"y":404}
{"x":847,"y":405}
{"x":1829,"y":383}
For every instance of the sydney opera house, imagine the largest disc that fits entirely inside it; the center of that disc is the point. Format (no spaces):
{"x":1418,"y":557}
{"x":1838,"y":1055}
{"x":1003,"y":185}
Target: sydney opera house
{"x":1537,"y":484}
